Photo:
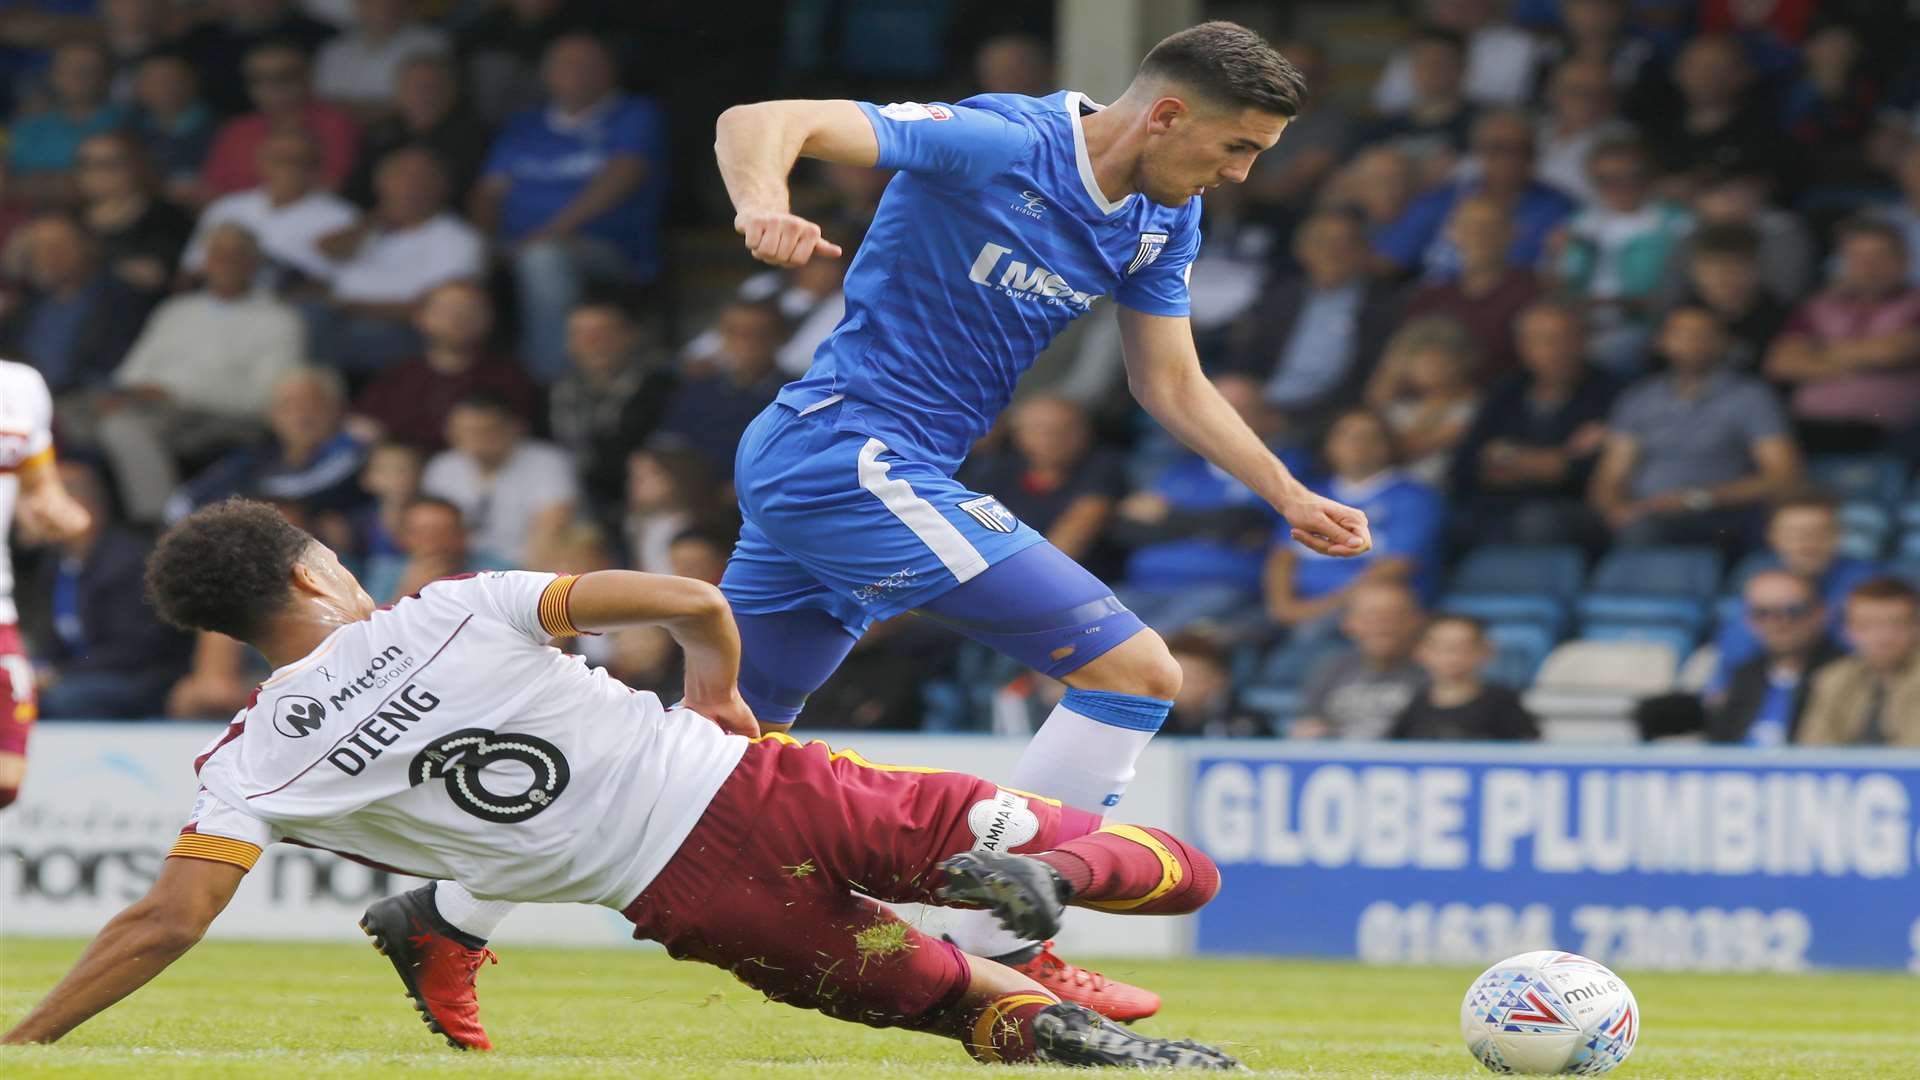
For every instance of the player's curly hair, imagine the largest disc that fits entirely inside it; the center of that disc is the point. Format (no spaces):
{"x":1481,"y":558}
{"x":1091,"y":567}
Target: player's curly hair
{"x":1229,"y":64}
{"x":225,"y":567}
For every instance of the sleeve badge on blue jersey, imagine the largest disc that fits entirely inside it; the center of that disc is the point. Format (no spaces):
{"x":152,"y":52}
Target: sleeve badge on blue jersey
{"x":1151,"y":244}
{"x":987,"y":511}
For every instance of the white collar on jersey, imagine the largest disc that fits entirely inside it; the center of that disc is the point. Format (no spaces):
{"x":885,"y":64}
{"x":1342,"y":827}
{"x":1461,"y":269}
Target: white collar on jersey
{"x":1073,"y":102}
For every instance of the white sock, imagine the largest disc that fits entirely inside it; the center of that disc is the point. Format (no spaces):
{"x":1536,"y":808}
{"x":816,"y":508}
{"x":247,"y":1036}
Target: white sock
{"x":468,"y":913}
{"x":1083,"y":763}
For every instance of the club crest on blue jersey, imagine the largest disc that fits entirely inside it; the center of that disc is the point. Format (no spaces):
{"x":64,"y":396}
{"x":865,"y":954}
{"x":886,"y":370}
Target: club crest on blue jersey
{"x":1151,"y":244}
{"x":987,"y":511}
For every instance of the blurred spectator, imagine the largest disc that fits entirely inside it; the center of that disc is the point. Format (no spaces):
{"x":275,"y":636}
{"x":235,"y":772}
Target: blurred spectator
{"x":708,"y":412}
{"x":1803,"y":538}
{"x":1871,"y":697}
{"x":1691,"y":451}
{"x":1786,"y":244}
{"x":1614,"y":252}
{"x":504,"y":47}
{"x":307,"y":457}
{"x":216,"y":45}
{"x":41,"y":148}
{"x":646,"y":658}
{"x":667,"y":493}
{"x":1197,"y":536}
{"x":612,"y":401}
{"x":175,"y":124}
{"x":1457,"y":702}
{"x":1722,"y":264}
{"x":1830,"y":111}
{"x":1488,"y":294}
{"x":1230,"y":271}
{"x":1304,"y":588}
{"x":1905,"y":215}
{"x":1416,"y":244}
{"x":1378,"y":182}
{"x":131,"y":30}
{"x":1287,"y":175}
{"x":1718,"y":122}
{"x":200,"y":376}
{"x":140,"y":235}
{"x":513,"y":491}
{"x":278,"y":83}
{"x":1013,"y":64}
{"x":1580,"y":115}
{"x":1358,"y":694}
{"x":1311,"y":340}
{"x":1425,"y":388}
{"x":360,"y":68}
{"x":78,"y":319}
{"x":99,"y":651}
{"x":1205,"y":703}
{"x":575,"y":189}
{"x":1500,"y":57}
{"x":288,"y":212}
{"x":699,"y":553}
{"x":1595,"y":32}
{"x":388,"y":260}
{"x":433,"y":544}
{"x":1520,"y":473}
{"x":813,"y":304}
{"x":1052,"y":476}
{"x":409,"y":402}
{"x":1434,"y":125}
{"x":1852,"y":352}
{"x":1767,"y":687}
{"x":391,"y":479}
{"x":428,"y":110}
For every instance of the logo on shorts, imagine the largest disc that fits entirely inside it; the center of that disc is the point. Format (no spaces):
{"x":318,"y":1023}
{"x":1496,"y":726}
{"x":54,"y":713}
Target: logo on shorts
{"x":1151,"y":244}
{"x":987,"y":511}
{"x":297,"y":716}
{"x":913,"y":110}
{"x":1002,"y":823}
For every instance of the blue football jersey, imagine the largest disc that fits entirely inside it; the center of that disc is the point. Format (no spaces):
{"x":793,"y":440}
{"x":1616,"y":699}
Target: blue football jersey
{"x":989,"y":240}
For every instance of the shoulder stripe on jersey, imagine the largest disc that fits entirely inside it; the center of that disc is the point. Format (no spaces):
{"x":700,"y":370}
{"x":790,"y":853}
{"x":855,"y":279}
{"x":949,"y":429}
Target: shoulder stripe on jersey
{"x":376,"y":708}
{"x":215,"y":849}
{"x":554,"y":618}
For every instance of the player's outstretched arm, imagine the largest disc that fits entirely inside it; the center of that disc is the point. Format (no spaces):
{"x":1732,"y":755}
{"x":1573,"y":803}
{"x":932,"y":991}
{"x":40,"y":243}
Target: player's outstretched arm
{"x":695,"y":614}
{"x":756,"y":146}
{"x":137,"y":945}
{"x":1163,"y":372}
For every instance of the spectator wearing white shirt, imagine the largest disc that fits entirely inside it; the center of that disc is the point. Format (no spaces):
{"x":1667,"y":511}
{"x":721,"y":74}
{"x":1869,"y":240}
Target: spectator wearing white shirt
{"x":199,"y":377}
{"x":1580,"y":115}
{"x":1500,"y":58}
{"x":288,"y":213}
{"x":358,"y":69}
{"x":388,"y":261}
{"x":516,"y":493}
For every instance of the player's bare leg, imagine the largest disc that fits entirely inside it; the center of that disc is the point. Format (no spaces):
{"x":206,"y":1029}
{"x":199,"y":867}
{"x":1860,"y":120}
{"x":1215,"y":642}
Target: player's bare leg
{"x":437,"y":963}
{"x":13,"y":771}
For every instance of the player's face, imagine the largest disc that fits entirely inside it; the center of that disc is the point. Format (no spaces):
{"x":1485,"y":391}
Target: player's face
{"x":1192,"y":149}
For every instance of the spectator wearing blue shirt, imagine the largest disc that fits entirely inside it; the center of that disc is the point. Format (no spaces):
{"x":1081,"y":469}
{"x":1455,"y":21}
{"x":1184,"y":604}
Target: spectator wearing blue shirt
{"x":1416,"y":242}
{"x":1803,"y":539}
{"x":79,"y":320}
{"x":1762,"y":697}
{"x":574,"y":189}
{"x":709,"y":411}
{"x":1305,"y":589}
{"x":41,"y":148}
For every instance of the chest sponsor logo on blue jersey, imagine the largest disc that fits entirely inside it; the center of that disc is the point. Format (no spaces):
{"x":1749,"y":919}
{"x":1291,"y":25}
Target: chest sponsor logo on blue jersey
{"x":1151,"y":244}
{"x":995,"y":269}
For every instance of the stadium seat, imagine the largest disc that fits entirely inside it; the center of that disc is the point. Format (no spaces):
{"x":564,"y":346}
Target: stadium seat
{"x":1864,"y":529}
{"x":1863,"y":477}
{"x":1906,"y":569}
{"x":1608,"y":609}
{"x":1692,"y":572}
{"x":1545,"y":611}
{"x":1506,"y":569}
{"x":1586,"y":690}
{"x":1909,"y":549}
{"x":1519,"y":647}
{"x":1678,"y":638}
{"x":1289,"y":664}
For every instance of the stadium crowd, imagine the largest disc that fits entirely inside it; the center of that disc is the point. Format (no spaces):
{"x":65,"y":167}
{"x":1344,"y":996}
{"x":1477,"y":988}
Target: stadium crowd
{"x":1606,"y":312}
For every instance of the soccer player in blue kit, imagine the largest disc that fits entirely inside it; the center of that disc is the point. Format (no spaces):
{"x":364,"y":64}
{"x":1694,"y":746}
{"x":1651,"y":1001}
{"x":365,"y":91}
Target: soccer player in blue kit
{"x":1009,"y":217}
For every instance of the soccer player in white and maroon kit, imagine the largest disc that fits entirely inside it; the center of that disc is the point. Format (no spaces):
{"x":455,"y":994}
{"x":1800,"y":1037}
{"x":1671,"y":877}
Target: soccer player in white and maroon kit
{"x":445,"y":737}
{"x":28,"y":478}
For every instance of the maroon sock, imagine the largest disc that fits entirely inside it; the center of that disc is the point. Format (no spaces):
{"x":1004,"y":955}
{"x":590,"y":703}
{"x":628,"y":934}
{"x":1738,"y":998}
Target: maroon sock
{"x":1136,"y":869}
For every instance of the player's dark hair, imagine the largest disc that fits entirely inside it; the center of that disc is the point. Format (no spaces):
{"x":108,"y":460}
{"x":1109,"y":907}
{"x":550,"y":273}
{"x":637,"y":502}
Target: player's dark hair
{"x":1883,"y":588}
{"x":1732,"y":239}
{"x":1231,"y":65}
{"x":225,"y":567}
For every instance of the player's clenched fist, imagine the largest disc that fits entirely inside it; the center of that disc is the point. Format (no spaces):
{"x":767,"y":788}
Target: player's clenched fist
{"x":1327,"y":527}
{"x":782,"y":239}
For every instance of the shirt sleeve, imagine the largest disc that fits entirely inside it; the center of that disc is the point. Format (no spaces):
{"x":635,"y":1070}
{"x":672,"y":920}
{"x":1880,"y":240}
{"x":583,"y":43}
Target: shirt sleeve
{"x":952,"y":142}
{"x":218,"y":832}
{"x":1159,"y":286}
{"x":637,"y":130}
{"x":1763,"y":416}
{"x":533,"y":604}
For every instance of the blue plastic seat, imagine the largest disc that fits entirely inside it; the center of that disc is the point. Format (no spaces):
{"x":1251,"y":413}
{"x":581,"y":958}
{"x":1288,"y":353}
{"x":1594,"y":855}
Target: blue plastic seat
{"x":1680,"y":611}
{"x":1502,"y":569}
{"x":1679,"y":639}
{"x":1907,"y":569}
{"x":1519,"y":648}
{"x":1863,"y":477}
{"x":1289,"y":665}
{"x":1692,"y":572}
{"x":1535,"y":609}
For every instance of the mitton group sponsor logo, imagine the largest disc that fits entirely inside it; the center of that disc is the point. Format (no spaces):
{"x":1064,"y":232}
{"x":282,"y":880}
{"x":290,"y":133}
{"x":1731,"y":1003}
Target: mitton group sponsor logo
{"x":386,"y":667}
{"x":297,"y":716}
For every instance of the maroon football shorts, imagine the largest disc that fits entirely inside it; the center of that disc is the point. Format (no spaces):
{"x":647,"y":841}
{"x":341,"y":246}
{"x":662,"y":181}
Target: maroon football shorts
{"x":765,"y":884}
{"x":17,"y":707}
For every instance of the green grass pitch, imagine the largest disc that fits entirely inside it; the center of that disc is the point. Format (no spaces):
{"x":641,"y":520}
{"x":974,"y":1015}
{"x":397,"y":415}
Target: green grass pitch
{"x":323,"y":1011}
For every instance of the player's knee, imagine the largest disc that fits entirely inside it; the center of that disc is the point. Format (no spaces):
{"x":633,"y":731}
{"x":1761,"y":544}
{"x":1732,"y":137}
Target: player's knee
{"x":1152,"y":670}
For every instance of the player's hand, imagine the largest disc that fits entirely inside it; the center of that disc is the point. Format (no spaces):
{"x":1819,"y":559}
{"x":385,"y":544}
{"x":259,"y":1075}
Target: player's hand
{"x":1327,"y":527}
{"x":53,"y":515}
{"x":782,"y":239}
{"x":730,"y":712}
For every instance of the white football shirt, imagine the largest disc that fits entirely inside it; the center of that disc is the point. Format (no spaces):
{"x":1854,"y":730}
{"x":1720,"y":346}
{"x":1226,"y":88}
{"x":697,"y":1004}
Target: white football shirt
{"x":445,"y":738}
{"x":26,"y":437}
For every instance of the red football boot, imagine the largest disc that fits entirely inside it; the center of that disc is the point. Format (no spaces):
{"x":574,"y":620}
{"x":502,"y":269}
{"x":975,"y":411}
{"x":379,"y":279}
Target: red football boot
{"x":1110,"y":998}
{"x":436,"y":967}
